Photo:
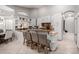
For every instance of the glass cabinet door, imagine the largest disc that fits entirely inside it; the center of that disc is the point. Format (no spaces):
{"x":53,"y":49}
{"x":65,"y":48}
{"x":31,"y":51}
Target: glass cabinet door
{"x":2,"y":24}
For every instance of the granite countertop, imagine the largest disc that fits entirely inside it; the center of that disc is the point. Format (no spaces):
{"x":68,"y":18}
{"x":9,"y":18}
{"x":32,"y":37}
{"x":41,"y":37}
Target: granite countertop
{"x":42,"y":30}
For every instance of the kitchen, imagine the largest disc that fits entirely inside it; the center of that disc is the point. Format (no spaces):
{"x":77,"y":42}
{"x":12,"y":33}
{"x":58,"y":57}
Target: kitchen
{"x":16,"y":20}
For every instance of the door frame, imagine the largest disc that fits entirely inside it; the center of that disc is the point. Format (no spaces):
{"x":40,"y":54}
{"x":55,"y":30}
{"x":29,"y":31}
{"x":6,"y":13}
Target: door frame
{"x":63,"y":24}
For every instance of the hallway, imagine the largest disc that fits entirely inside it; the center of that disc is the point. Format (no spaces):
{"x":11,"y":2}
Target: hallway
{"x":16,"y":47}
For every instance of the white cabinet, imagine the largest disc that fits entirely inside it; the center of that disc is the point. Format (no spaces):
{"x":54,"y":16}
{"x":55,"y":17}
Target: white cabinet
{"x":33,"y":22}
{"x":2,"y":23}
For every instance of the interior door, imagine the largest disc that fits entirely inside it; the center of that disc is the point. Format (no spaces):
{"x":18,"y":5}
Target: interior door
{"x":68,"y":17}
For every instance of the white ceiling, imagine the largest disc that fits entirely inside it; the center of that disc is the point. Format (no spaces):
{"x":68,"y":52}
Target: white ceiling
{"x":31,"y":6}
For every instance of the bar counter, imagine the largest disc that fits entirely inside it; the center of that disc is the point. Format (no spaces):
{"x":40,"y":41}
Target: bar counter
{"x":41,"y":30}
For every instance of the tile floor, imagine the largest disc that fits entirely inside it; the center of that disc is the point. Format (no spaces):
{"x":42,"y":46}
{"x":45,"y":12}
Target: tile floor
{"x":66,"y":46}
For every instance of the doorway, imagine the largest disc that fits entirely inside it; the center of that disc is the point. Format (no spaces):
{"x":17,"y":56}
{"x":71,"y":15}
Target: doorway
{"x":69,"y":26}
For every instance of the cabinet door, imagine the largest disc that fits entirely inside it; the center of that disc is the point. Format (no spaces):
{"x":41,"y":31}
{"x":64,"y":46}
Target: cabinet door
{"x":2,"y":24}
{"x":9,"y":24}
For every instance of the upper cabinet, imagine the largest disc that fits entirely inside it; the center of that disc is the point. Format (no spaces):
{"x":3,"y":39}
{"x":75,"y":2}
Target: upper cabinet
{"x":22,"y":21}
{"x":7,"y":18}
